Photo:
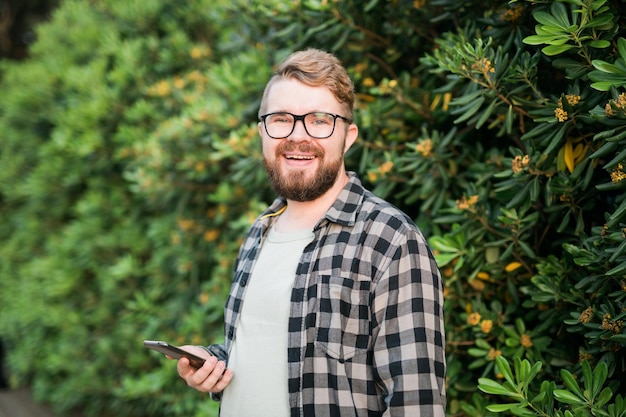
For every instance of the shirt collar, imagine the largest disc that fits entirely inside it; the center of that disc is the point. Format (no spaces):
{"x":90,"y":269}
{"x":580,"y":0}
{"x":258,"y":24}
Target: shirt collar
{"x":344,"y":209}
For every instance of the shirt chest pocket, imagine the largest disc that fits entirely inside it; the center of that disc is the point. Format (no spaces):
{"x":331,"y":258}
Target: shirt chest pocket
{"x":343,"y":319}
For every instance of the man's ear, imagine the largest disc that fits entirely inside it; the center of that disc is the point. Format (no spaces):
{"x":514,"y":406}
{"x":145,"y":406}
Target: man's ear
{"x":351,"y":137}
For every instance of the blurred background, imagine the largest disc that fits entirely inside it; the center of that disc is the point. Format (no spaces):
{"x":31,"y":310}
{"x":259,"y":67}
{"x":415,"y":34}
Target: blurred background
{"x":130,"y":169}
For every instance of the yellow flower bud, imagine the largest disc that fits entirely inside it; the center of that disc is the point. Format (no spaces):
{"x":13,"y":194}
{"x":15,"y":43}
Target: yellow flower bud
{"x":512,"y":266}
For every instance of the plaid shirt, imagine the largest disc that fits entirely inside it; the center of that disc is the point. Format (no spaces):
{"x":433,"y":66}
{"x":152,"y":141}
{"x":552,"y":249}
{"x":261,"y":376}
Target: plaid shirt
{"x":366,"y":334}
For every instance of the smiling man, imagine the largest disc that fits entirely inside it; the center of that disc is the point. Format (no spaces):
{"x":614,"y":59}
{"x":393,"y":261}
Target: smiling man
{"x":336,"y":306}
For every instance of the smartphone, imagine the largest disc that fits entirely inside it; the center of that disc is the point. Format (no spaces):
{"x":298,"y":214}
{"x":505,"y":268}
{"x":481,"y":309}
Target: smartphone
{"x":174,"y":352}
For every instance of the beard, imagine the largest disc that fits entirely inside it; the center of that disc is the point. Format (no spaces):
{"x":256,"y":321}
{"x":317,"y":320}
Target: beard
{"x":295,"y":186}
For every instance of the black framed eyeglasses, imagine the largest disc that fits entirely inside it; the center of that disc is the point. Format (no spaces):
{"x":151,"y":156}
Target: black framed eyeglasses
{"x":318,"y":125}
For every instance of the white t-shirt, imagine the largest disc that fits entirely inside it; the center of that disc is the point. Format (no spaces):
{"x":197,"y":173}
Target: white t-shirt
{"x":259,"y":352}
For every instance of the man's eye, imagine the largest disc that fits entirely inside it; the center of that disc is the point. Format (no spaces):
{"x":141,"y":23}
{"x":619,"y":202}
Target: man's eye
{"x":323,"y":119}
{"x":280,"y":119}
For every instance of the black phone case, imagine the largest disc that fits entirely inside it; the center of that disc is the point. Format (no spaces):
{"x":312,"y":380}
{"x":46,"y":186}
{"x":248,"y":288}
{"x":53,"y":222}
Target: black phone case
{"x":174,"y":352}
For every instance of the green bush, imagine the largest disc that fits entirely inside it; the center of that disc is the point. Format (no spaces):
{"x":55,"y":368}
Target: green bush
{"x":110,"y":220}
{"x":130,"y":168}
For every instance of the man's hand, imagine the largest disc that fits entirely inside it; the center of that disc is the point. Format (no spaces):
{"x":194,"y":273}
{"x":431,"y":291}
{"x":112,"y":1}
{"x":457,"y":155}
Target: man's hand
{"x":212,"y":377}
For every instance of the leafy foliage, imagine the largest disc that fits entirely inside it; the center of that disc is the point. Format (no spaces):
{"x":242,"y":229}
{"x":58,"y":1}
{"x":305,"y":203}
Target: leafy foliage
{"x":592,"y":399}
{"x":130,"y":169}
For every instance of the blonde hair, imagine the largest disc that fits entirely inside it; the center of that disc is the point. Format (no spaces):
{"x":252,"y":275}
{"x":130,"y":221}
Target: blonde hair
{"x":316,"y":68}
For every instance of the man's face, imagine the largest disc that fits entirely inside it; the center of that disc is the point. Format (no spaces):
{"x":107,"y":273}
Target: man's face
{"x":300,"y":167}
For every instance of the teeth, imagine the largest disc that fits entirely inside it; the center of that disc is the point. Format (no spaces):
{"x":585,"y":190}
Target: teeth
{"x":303,"y":157}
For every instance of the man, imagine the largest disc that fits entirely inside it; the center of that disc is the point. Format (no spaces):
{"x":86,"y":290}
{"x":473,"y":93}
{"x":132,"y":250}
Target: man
{"x":336,"y":306}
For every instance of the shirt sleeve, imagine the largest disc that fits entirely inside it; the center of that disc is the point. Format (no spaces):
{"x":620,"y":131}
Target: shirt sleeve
{"x":219,"y":351}
{"x":409,"y":344}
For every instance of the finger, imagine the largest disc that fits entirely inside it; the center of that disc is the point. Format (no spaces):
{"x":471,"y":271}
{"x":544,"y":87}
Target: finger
{"x":202,"y":376}
{"x":185,"y":370}
{"x":211,"y":381}
{"x":223,"y":382}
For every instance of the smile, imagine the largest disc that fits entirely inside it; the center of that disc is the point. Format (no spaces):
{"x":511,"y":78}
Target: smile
{"x":300,"y":157}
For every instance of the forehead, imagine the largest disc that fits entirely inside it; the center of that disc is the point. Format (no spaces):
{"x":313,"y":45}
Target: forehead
{"x":295,"y":97}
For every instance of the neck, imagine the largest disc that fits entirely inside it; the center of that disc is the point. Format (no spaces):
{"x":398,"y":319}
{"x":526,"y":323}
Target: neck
{"x":303,"y":215}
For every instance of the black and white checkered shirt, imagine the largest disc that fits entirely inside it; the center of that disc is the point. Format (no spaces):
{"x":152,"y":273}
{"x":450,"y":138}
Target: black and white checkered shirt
{"x":366,"y":334}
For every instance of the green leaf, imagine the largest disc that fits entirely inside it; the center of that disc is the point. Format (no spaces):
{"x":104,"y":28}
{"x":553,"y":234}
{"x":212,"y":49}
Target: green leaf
{"x":492,"y":387}
{"x":587,"y":378}
{"x":498,"y":408}
{"x":469,"y":111}
{"x":505,"y":369}
{"x":557,"y":18}
{"x":483,"y":344}
{"x":466,"y":98}
{"x":606,"y":67}
{"x":536,"y":40}
{"x":599,"y":376}
{"x":369,"y":6}
{"x":483,"y":118}
{"x":621,"y":249}
{"x":618,"y":270}
{"x":509,"y":119}
{"x":571,"y":383}
{"x":547,"y":19}
{"x":557,"y":32}
{"x":617,"y":214}
{"x":616,"y":80}
{"x":604,"y":21}
{"x":520,"y":196}
{"x":288,"y":30}
{"x":600,"y":44}
{"x":602,"y":86}
{"x":444,"y":259}
{"x":533,"y":371}
{"x":604,"y":397}
{"x":523,"y":412}
{"x":621,"y":47}
{"x":556,"y":49}
{"x":567,"y":397}
{"x":538,"y":130}
{"x":605,"y":149}
{"x":560,"y":14}
{"x":477,"y":353}
{"x":618,"y":338}
{"x":443,"y":244}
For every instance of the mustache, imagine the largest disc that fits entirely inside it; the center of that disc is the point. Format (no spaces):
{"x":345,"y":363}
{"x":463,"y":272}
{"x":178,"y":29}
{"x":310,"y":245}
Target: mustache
{"x":304,"y":147}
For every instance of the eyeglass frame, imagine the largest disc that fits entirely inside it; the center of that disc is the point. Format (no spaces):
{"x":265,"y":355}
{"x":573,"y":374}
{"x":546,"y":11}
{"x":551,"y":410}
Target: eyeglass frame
{"x":301,"y":118}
